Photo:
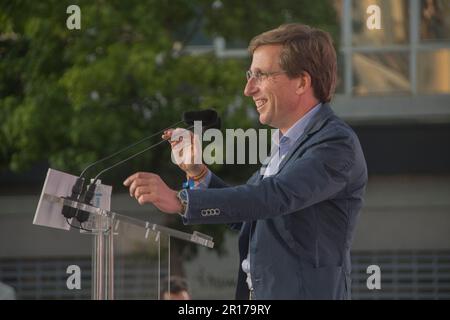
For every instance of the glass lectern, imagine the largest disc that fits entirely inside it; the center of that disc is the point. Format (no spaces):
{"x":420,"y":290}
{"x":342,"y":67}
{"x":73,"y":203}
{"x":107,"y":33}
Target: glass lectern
{"x":130,"y":257}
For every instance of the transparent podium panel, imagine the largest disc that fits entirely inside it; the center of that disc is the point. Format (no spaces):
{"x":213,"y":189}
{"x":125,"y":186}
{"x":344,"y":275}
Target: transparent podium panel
{"x":133,"y":259}
{"x":130,"y":258}
{"x":140,"y":261}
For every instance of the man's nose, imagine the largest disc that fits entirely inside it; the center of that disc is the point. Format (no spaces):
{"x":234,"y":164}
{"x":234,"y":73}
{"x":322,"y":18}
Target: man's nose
{"x":250,"y":88}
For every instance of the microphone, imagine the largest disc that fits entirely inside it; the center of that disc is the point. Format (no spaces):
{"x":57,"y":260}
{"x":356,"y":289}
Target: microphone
{"x":77,"y":189}
{"x":209,"y":119}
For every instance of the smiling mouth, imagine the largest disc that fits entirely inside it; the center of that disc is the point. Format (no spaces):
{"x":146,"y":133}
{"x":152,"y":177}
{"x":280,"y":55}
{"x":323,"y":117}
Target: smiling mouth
{"x":260,"y":103}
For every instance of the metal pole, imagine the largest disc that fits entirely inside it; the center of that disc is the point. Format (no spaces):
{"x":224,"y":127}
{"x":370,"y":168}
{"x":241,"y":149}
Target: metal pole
{"x":97,"y":261}
{"x":110,"y":258}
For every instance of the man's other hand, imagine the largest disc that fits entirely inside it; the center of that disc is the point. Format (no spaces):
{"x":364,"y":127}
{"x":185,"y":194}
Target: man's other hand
{"x":148,"y":187}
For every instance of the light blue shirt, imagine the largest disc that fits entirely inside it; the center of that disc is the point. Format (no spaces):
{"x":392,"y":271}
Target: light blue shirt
{"x":282,"y":144}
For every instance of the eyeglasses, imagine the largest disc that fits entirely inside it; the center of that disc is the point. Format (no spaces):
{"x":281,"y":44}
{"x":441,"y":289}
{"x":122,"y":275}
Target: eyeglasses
{"x":259,"y":76}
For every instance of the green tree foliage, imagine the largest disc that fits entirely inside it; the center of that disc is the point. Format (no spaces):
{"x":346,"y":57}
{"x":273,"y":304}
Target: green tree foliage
{"x":70,"y":97}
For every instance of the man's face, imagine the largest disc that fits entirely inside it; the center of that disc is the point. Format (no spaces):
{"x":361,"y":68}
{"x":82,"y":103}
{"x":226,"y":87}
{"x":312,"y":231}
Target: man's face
{"x":274,"y":95}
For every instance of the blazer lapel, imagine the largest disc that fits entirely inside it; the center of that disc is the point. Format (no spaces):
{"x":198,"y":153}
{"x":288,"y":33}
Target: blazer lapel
{"x":317,"y":122}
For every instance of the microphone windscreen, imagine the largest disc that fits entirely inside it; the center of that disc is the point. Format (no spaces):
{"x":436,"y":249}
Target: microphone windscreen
{"x":216,"y":125}
{"x":208,"y":117}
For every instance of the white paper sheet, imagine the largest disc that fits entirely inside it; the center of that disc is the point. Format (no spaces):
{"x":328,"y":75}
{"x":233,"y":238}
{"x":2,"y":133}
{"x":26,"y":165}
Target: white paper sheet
{"x":60,"y":184}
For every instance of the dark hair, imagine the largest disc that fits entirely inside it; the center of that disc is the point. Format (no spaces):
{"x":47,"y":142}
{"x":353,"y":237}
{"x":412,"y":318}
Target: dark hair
{"x":305,"y":49}
{"x":177,"y":284}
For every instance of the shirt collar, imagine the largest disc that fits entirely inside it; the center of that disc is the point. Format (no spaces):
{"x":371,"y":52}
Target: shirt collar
{"x":296,"y":130}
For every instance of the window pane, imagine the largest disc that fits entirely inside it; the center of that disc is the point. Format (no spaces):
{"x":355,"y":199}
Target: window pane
{"x":380,"y":73}
{"x":394,"y":23}
{"x":433,"y":71}
{"x":435,"y":20}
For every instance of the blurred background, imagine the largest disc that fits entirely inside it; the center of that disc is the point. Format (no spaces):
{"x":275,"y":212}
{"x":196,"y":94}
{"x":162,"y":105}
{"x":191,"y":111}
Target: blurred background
{"x":70,"y":97}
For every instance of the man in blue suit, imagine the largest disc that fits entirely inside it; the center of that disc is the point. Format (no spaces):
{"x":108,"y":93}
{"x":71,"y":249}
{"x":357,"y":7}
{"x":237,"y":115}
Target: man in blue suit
{"x":296,"y":215}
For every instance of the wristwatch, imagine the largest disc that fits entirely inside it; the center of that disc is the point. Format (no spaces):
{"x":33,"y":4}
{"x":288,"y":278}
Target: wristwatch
{"x":182,"y":195}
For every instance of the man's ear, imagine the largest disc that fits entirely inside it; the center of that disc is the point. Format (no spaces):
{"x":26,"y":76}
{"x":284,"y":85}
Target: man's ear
{"x":304,"y":83}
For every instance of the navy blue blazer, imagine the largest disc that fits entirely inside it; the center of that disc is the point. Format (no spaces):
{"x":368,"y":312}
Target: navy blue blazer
{"x":299,"y":223}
